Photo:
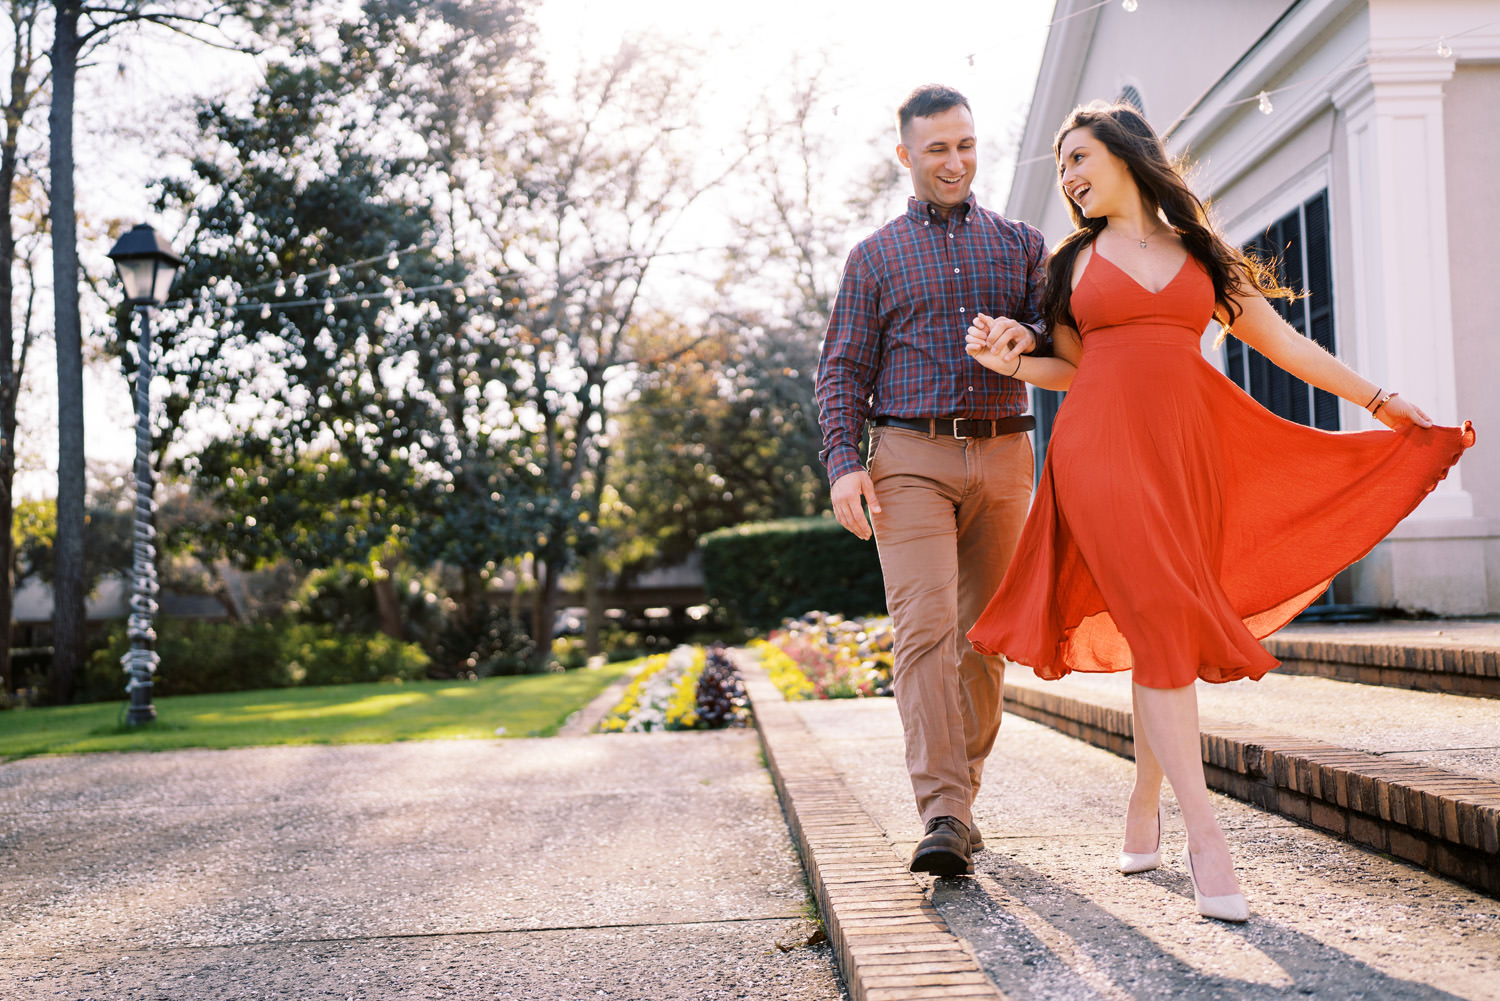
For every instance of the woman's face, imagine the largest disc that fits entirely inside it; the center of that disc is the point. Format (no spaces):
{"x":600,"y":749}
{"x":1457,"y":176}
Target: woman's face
{"x":1096,"y":180}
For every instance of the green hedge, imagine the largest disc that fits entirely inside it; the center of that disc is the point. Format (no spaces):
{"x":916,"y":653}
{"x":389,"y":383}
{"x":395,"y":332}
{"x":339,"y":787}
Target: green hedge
{"x":763,"y":572}
{"x":199,"y":658}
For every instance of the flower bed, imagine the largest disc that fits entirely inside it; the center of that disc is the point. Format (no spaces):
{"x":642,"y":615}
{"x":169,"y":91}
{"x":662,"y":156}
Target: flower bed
{"x":822,"y":656}
{"x":687,"y":689}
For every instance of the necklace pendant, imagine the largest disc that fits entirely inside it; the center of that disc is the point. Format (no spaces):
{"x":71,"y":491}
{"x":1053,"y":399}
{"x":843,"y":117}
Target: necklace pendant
{"x":1142,"y":243}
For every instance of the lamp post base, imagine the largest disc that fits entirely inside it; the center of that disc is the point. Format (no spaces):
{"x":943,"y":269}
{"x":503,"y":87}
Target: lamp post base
{"x":141,"y":710}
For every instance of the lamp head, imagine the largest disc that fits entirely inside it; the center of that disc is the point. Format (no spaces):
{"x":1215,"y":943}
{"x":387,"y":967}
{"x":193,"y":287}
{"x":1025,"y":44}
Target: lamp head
{"x":147,"y":265}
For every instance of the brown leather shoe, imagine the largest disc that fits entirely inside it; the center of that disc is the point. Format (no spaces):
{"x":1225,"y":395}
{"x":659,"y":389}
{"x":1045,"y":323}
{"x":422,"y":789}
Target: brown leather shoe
{"x":976,"y":841}
{"x":945,"y":850}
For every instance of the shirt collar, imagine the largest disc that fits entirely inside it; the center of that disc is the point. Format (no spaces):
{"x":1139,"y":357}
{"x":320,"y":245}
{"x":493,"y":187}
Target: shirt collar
{"x":927,"y":212}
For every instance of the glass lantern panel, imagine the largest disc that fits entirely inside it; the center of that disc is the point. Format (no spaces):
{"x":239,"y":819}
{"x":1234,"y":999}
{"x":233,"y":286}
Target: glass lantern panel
{"x":136,"y":275}
{"x":165,"y":272}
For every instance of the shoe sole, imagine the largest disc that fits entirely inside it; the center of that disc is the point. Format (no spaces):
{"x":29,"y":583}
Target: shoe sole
{"x":942,"y":862}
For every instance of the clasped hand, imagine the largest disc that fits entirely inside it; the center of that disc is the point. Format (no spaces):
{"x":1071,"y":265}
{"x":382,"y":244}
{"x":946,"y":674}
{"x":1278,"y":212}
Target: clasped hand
{"x":996,"y":342}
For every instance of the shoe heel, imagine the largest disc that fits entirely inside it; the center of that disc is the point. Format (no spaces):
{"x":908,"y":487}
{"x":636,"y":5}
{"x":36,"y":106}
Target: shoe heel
{"x":1134,"y":862}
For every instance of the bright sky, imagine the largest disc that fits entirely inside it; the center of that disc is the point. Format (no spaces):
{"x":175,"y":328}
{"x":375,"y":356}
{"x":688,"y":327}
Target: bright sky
{"x":875,"y":52}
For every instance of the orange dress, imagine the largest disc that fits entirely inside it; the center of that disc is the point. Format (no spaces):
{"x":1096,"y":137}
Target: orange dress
{"x":1177,"y":521}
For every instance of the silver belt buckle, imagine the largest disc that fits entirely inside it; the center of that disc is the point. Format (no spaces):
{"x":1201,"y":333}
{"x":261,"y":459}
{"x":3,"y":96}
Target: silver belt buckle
{"x":956,"y":435}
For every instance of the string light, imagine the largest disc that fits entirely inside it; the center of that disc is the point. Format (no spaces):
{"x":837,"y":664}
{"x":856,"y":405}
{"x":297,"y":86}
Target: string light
{"x":1129,"y":5}
{"x":1444,"y":50}
{"x":1263,"y":102}
{"x":280,"y":289}
{"x":333,"y":275}
{"x":265,"y":311}
{"x":393,"y":262}
{"x":328,"y":307}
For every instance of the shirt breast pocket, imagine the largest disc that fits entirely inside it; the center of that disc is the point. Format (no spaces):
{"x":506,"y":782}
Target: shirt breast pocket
{"x":996,"y":288}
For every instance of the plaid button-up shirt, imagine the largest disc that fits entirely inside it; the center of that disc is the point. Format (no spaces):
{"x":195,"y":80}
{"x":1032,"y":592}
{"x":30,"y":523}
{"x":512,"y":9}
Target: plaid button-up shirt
{"x":895,"y":344}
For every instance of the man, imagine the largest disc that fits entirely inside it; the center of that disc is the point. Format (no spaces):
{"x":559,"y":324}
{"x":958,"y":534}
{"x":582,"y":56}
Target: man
{"x":950,"y":465}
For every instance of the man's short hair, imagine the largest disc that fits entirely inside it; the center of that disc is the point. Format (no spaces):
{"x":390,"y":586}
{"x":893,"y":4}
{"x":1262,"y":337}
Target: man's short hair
{"x":928,"y":100}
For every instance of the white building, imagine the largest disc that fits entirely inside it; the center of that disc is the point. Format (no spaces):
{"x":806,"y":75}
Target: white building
{"x":1361,"y":139}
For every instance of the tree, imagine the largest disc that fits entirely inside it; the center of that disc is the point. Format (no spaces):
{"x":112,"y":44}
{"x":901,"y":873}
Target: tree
{"x":78,"y":27}
{"x":18,"y":220}
{"x":720,"y":434}
{"x":607,"y":172}
{"x":345,"y":314}
{"x":729,"y":432}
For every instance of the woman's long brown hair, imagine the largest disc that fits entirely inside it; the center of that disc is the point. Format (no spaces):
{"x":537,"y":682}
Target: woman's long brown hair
{"x":1128,"y":136}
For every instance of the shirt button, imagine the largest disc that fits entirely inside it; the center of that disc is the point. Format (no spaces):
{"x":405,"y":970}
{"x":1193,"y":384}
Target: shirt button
{"x":950,"y":236}
{"x":960,"y":309}
{"x":955,"y":271}
{"x":971,"y":389}
{"x":927,"y":223}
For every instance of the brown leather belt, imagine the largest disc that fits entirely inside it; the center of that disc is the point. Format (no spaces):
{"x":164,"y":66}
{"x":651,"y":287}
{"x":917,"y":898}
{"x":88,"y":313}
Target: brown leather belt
{"x":961,"y":427}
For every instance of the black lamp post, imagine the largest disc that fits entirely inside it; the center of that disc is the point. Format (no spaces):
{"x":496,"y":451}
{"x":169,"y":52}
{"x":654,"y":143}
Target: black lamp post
{"x":147,"y":264}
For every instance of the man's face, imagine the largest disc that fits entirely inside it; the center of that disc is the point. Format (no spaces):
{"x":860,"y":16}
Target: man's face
{"x":939,"y":152}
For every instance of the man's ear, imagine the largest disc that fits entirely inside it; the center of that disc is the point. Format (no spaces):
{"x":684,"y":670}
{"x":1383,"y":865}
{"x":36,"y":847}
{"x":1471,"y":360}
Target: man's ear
{"x":903,"y":155}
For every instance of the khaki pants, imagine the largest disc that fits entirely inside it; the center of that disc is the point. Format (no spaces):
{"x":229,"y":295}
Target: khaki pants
{"x":951,"y":512}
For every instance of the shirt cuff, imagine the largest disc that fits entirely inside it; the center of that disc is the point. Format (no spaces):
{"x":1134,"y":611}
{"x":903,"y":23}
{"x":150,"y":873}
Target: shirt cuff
{"x":1043,"y":347}
{"x":842,"y":460}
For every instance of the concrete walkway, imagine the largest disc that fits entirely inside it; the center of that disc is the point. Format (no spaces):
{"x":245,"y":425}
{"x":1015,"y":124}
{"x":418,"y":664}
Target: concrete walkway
{"x":1047,"y":916}
{"x":635,"y":867}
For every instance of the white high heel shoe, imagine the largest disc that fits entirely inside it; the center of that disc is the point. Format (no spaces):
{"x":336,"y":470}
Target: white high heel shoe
{"x":1134,"y":862}
{"x":1229,"y":907}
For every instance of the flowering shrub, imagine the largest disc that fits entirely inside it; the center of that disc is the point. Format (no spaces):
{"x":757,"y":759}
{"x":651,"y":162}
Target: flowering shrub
{"x":664,"y":695}
{"x":784,"y":672}
{"x":838,"y":658}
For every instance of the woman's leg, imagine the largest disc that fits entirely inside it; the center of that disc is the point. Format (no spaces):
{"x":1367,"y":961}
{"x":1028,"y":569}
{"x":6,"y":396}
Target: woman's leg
{"x":1169,"y":717}
{"x":1142,"y":830}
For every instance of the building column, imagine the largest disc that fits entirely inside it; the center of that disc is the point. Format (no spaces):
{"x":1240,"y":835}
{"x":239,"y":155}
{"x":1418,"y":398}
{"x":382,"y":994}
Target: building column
{"x":1392,"y":110}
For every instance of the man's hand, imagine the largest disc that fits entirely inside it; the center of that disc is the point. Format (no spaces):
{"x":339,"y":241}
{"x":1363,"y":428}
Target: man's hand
{"x":848,"y":490}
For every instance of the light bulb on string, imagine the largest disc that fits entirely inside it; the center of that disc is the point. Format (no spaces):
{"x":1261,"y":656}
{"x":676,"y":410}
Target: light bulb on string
{"x":328,"y":307}
{"x":1130,"y":5}
{"x":1263,"y":102}
{"x":393,"y":262}
{"x":265,"y":312}
{"x":1444,"y":50}
{"x":280,"y":287}
{"x":333,"y":275}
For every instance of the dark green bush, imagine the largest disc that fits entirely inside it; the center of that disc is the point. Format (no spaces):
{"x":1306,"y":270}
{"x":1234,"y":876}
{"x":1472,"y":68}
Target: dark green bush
{"x":763,"y":572}
{"x":319,"y":655}
{"x":486,"y":642}
{"x":202,"y":657}
{"x":196,"y":658}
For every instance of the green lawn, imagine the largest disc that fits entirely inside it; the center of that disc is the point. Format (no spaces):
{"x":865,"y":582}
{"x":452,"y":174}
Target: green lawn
{"x":526,"y":706}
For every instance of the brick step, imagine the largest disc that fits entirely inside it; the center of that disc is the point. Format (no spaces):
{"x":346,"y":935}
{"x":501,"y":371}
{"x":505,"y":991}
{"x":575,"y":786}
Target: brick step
{"x":1456,"y":657}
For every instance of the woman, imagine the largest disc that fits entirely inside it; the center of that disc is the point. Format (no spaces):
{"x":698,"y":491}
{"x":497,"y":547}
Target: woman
{"x":1176,"y":520}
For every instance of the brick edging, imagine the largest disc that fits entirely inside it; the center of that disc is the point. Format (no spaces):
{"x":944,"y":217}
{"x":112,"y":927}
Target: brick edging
{"x":1441,"y":820}
{"x":1456,"y":670}
{"x":890,"y":942}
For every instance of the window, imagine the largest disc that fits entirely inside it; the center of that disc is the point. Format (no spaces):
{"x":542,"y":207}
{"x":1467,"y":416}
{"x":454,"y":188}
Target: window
{"x":1131,"y":96}
{"x":1044,"y":404}
{"x":1298,"y":243}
